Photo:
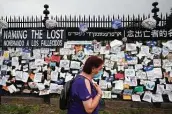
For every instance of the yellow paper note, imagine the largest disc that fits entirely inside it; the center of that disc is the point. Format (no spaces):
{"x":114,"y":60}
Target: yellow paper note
{"x":126,"y":97}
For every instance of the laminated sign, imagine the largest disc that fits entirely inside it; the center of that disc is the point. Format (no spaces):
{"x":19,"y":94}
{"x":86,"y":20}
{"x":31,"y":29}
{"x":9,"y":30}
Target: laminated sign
{"x":33,"y":37}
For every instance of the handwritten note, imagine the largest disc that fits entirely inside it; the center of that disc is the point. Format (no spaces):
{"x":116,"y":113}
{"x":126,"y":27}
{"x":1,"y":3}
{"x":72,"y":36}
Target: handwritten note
{"x":106,"y":94}
{"x":54,"y":76}
{"x":38,"y":77}
{"x":129,"y":72}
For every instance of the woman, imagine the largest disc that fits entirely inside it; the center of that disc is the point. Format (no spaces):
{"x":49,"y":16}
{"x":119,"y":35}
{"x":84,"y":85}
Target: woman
{"x":84,"y":94}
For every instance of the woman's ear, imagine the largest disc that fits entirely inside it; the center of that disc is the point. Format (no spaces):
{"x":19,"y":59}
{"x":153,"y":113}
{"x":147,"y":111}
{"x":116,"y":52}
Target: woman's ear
{"x":93,"y":70}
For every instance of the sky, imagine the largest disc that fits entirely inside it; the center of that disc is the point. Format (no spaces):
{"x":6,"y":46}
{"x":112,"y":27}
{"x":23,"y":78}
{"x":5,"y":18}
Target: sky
{"x":81,"y":7}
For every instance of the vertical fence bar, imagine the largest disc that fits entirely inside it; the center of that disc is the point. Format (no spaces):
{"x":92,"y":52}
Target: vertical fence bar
{"x":128,"y":20}
{"x":61,"y":21}
{"x":84,"y":20}
{"x":106,"y":21}
{"x":123,"y":21}
{"x":74,"y":21}
{"x":10,"y":22}
{"x":165,"y":20}
{"x":23,"y":22}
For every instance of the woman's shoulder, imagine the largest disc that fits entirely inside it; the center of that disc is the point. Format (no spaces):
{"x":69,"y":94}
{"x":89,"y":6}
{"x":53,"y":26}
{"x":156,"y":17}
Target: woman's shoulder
{"x":79,"y":79}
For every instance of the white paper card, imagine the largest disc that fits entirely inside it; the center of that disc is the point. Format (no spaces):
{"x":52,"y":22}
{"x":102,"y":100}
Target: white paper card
{"x":66,"y":51}
{"x":55,"y":88}
{"x":157,"y":62}
{"x":157,"y":72}
{"x":3,"y":67}
{"x":162,"y":81}
{"x":37,"y":53}
{"x":147,"y":96}
{"x":32,"y":85}
{"x":169,"y":87}
{"x":12,"y":88}
{"x":136,"y":97}
{"x":103,"y":50}
{"x":15,"y":61}
{"x":41,"y":86}
{"x":1,"y":60}
{"x":32,"y":65}
{"x":47,"y":82}
{"x":26,"y":55}
{"x":45,"y":50}
{"x":25,"y":77}
{"x":145,"y":49}
{"x":39,"y":62}
{"x":3,"y":80}
{"x":54,"y":75}
{"x":115,"y":49}
{"x":62,"y":75}
{"x":167,"y":69}
{"x":106,"y":94}
{"x":67,"y":45}
{"x":138,"y":67}
{"x":97,"y":47}
{"x":131,"y":80}
{"x":75,"y":65}
{"x":160,"y":89}
{"x":129,"y":72}
{"x":119,"y":85}
{"x":150,"y":75}
{"x":64,"y":63}
{"x":68,"y":77}
{"x":114,"y":96}
{"x":157,"y":98}
{"x":109,"y":63}
{"x":156,"y":50}
{"x":38,"y":77}
{"x":103,"y":84}
{"x":19,"y":75}
{"x":130,"y":47}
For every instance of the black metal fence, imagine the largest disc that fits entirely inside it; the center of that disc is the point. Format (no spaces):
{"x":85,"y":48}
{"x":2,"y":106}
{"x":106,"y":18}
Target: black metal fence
{"x":75,"y":21}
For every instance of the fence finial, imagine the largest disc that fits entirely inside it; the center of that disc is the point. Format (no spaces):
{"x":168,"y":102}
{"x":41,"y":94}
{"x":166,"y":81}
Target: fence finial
{"x":155,"y":10}
{"x":46,"y":12}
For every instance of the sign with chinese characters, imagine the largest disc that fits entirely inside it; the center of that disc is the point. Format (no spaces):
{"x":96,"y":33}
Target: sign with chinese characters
{"x":148,"y":33}
{"x":39,"y":37}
